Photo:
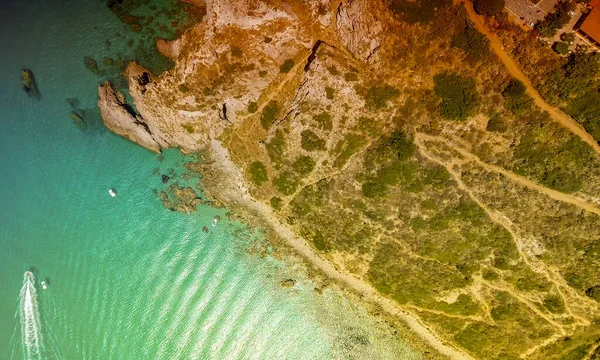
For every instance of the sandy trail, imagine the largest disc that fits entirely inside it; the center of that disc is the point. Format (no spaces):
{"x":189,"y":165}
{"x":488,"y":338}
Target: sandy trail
{"x":554,"y":194}
{"x":232,"y":190}
{"x":512,"y":67}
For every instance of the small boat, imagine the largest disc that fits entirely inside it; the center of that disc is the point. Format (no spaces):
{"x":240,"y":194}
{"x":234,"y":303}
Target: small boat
{"x":215,"y":220}
{"x":44,"y":286}
{"x":112,"y":192}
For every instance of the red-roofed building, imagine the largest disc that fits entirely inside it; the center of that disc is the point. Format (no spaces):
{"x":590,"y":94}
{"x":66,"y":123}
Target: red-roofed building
{"x":589,"y":28}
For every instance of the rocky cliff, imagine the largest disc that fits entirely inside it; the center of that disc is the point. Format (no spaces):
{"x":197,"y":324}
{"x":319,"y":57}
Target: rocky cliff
{"x":383,"y":135}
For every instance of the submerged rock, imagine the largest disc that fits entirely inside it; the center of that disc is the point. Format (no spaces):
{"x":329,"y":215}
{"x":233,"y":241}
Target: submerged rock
{"x":77,"y":117}
{"x":288,"y":283}
{"x":165,"y":178}
{"x":29,"y":84}
{"x":180,"y":199}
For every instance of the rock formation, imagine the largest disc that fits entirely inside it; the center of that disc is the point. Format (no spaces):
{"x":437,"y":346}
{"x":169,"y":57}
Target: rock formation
{"x":29,"y":84}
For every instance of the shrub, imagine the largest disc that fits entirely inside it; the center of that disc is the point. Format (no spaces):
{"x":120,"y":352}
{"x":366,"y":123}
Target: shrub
{"x":304,"y":165}
{"x":269,"y":114}
{"x":329,"y":92}
{"x":488,"y":7}
{"x":459,"y":97}
{"x":258,"y":173}
{"x":561,"y":48}
{"x":286,"y":183}
{"x":286,"y":66}
{"x":554,"y":304}
{"x":275,"y":148}
{"x":594,"y":292}
{"x":377,"y":97}
{"x":276,"y":203}
{"x":324,"y":121}
{"x":351,"y":76}
{"x":311,"y":141}
{"x":252,"y":107}
{"x":417,"y":11}
{"x":496,"y":124}
{"x":471,"y":41}
{"x":567,"y":37}
{"x":515,"y":88}
{"x":347,"y":147}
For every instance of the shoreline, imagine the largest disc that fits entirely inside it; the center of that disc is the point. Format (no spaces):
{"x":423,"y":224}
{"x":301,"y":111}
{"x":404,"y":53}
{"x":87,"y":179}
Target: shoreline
{"x":224,"y":182}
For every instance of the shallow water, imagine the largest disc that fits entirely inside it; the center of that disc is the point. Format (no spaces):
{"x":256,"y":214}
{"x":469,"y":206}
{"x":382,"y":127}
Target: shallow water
{"x":128,"y":279}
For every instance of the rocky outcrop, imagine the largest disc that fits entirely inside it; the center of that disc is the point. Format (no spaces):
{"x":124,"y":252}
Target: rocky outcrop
{"x":120,"y":118}
{"x":359,"y":29}
{"x":29,"y":84}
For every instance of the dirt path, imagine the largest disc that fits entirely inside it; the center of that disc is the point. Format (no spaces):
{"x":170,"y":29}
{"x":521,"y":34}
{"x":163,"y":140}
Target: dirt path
{"x":554,"y":194}
{"x":512,"y":67}
{"x":232,"y":190}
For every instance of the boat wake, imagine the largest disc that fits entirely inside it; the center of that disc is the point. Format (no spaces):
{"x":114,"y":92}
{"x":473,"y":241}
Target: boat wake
{"x":30,"y":324}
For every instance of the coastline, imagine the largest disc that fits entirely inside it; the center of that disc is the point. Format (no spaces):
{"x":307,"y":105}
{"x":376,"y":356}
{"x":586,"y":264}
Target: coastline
{"x":223,"y":181}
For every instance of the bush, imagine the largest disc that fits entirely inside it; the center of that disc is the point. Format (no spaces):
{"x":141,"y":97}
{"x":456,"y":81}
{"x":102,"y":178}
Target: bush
{"x":311,"y":141}
{"x":377,"y":97}
{"x":459,"y":97}
{"x":514,"y":89}
{"x":252,"y":107}
{"x":471,"y":41}
{"x":324,"y":121}
{"x":488,"y":7}
{"x":276,"y":203}
{"x":286,"y":183}
{"x":275,"y":148}
{"x":258,"y":173}
{"x":567,"y":37}
{"x":329,"y":92}
{"x":287,"y":66}
{"x":594,"y":292}
{"x":561,"y":48}
{"x":496,"y":124}
{"x":304,"y":165}
{"x":269,"y":114}
{"x":417,"y":11}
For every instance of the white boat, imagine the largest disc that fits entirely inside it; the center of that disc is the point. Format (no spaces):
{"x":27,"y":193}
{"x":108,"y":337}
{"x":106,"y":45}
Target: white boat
{"x":215,"y":220}
{"x":112,"y":192}
{"x":43,"y":283}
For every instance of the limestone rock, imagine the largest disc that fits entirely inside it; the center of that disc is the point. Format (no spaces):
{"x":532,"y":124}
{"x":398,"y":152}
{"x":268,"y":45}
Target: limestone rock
{"x":120,"y":118}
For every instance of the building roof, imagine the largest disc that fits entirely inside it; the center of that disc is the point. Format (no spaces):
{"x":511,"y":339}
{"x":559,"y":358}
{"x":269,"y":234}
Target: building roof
{"x":591,"y":24}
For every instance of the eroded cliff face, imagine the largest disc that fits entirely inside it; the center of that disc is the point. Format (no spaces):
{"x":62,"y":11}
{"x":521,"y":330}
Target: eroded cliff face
{"x":335,"y":117}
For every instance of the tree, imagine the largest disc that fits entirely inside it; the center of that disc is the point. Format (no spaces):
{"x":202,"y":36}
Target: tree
{"x":488,"y":7}
{"x":568,"y":37}
{"x":561,"y":47}
{"x":459,"y":97}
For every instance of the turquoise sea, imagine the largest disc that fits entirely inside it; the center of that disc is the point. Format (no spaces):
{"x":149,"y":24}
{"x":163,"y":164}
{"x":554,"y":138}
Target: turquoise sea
{"x":127,"y":278}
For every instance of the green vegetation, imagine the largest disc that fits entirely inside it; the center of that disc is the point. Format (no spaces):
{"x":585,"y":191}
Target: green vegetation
{"x":553,"y":165}
{"x":329,"y":92}
{"x":488,"y":7}
{"x":311,"y":141}
{"x":471,"y":41}
{"x":554,"y":304}
{"x":189,"y":127}
{"x":377,"y":97}
{"x":275,"y":203}
{"x":258,"y":173}
{"x":269,"y":114}
{"x":286,"y":183}
{"x":183,"y":88}
{"x":567,"y":37}
{"x":303,"y":165}
{"x":496,"y":124}
{"x":594,"y":292}
{"x":324,"y":121}
{"x":252,"y":107}
{"x":517,"y":101}
{"x":351,"y":76}
{"x":459,"y":97}
{"x":417,"y":11}
{"x":275,"y":148}
{"x":286,"y":66}
{"x":561,"y":48}
{"x":556,"y":19}
{"x":347,"y":147}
